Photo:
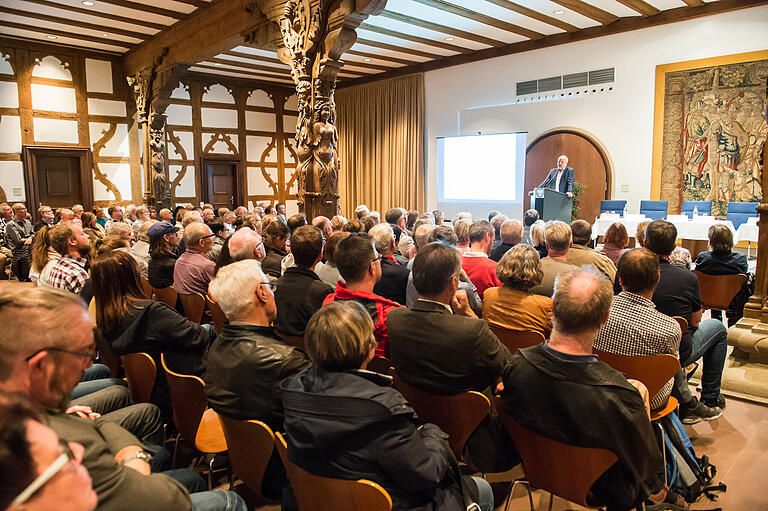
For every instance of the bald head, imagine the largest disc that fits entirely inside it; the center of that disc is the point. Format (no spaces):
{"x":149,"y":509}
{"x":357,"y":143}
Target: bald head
{"x":421,"y":235}
{"x":322,"y":223}
{"x":581,"y":302}
{"x":512,"y":232}
{"x":246,"y":244}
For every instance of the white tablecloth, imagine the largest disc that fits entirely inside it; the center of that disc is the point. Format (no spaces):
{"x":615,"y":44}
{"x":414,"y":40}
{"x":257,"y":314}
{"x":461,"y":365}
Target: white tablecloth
{"x":687,"y":229}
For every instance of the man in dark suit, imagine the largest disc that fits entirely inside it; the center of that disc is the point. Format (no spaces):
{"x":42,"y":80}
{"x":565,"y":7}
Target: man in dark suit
{"x":560,"y":178}
{"x":440,"y":346}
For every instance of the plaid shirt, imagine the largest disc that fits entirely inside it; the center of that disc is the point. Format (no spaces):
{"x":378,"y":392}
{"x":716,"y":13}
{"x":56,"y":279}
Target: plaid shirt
{"x":68,"y":273}
{"x":636,"y":328}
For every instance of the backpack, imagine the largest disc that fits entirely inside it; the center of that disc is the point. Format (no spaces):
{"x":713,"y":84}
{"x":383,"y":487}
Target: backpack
{"x":687,"y":474}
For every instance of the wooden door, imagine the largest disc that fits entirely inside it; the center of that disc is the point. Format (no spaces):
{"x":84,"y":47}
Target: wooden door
{"x":587,"y":159}
{"x":222,"y":189}
{"x":58,"y":181}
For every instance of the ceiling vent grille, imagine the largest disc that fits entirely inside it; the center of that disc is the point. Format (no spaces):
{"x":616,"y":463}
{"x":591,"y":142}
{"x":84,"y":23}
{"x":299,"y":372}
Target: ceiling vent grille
{"x":550,"y":84}
{"x":601,"y":76}
{"x":530,"y":87}
{"x":575,"y":80}
{"x":568,"y":86}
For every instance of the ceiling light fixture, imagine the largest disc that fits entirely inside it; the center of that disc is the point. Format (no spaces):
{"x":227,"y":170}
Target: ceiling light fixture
{"x":105,"y":34}
{"x":559,"y":12}
{"x":51,"y":37}
{"x":367,"y":59}
{"x":217,"y":64}
{"x":450,"y":38}
{"x":88,"y":3}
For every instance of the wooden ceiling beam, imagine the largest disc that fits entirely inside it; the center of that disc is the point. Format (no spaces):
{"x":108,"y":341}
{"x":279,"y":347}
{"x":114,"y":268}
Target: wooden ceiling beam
{"x":366,"y":65}
{"x":285,"y":71}
{"x":622,"y":25}
{"x":413,"y":38}
{"x":693,"y":3}
{"x":588,"y":10}
{"x":441,"y":28}
{"x":387,"y":58}
{"x":536,"y":15}
{"x":640,"y":6}
{"x":262,"y":58}
{"x":104,"y":15}
{"x":76,"y":23}
{"x":136,"y":6}
{"x":481,"y":18}
{"x":245,"y":82}
{"x":71,"y":35}
{"x":401,"y":49}
{"x":287,"y":76}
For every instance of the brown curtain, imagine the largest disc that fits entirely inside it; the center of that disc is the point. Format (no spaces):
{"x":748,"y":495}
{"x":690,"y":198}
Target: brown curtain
{"x":381,"y":144}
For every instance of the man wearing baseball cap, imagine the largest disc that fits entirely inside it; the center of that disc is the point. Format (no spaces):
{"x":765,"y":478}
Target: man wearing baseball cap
{"x":162,"y":251}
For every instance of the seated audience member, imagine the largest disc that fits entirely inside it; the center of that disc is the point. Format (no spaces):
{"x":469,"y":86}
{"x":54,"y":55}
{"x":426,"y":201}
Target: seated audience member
{"x":245,"y":244}
{"x":681,"y":257}
{"x":337,"y":223}
{"x":720,"y":259}
{"x":560,"y":390}
{"x":39,"y":471}
{"x":77,"y":210}
{"x":353,"y":225}
{"x":73,"y":246}
{"x":165,"y":215}
{"x":511,"y":233}
{"x":496,"y":220}
{"x":445,"y":235}
{"x":322,"y":223}
{"x":368,"y":222}
{"x":219,"y":237}
{"x":360,"y":266}
{"x":142,"y":215}
{"x":123,"y":230}
{"x":580,"y":254}
{"x":42,"y":257}
{"x":615,"y":242}
{"x":530,"y":217}
{"x":395,"y":216}
{"x":66,"y":215}
{"x":440,"y":346}
{"x":410,"y":219}
{"x":634,"y":326}
{"x":677,"y":294}
{"x":189,"y":218}
{"x":130,"y":323}
{"x":92,"y":228}
{"x":247,"y":361}
{"x":300,"y":292}
{"x":207,"y":215}
{"x":558,"y":240}
{"x":394,"y":277}
{"x":421,"y":233}
{"x":361,"y":211}
{"x":512,"y":305}
{"x":294,"y":222}
{"x":227,"y":220}
{"x":45,"y":213}
{"x":163,"y":240}
{"x":640,"y":233}
{"x":461,"y":227}
{"x":480,"y":269}
{"x":539,"y":239}
{"x":439,"y":216}
{"x":367,"y":429}
{"x":276,"y":239}
{"x":328,"y":271}
{"x":57,"y":330}
{"x":193,"y":270}
{"x":140,"y":249}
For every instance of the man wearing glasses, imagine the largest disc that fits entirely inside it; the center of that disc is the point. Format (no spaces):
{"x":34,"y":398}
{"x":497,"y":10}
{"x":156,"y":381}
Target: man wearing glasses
{"x":193,"y":270}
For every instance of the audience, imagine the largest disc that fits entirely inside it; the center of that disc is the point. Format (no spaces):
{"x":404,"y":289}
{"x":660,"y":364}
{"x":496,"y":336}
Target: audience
{"x":73,"y":247}
{"x":511,"y":233}
{"x":367,"y":430}
{"x":193,"y":270}
{"x":615,"y":242}
{"x":244,"y":244}
{"x":539,"y":239}
{"x":394,"y":277}
{"x":322,"y":223}
{"x":219,"y":237}
{"x":275,"y":241}
{"x":163,"y":239}
{"x":395,"y":217}
{"x":530,"y":217}
{"x":337,"y":223}
{"x":328,"y":271}
{"x":421,"y":232}
{"x":360,"y":266}
{"x":461,"y":227}
{"x":475,"y":261}
{"x":46,"y":218}
{"x":496,"y":222}
{"x":580,"y":254}
{"x":513,"y":305}
{"x":300,"y":292}
{"x":19,"y":234}
{"x":558,"y":240}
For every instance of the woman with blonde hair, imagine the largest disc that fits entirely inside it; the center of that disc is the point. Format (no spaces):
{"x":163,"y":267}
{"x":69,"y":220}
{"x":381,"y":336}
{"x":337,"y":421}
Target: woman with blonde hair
{"x":43,"y":257}
{"x":512,"y":305}
{"x":538,"y":238}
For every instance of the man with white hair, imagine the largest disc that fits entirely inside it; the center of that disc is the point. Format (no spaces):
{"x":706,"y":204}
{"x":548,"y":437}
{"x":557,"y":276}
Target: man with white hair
{"x":394,"y":277}
{"x":361,"y":211}
{"x":322,"y":223}
{"x":78,"y":209}
{"x":193,"y":270}
{"x":165,"y":215}
{"x":246,"y":244}
{"x":511,"y":234}
{"x":121,"y":229}
{"x":142,"y":215}
{"x":247,"y":361}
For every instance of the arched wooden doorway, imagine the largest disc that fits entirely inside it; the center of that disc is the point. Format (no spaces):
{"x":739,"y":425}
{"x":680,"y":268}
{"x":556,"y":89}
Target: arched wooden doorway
{"x":585,"y":156}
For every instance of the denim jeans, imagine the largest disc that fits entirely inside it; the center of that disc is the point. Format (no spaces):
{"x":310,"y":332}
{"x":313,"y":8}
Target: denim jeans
{"x":217,"y":501}
{"x":710,"y":343}
{"x":484,"y":494}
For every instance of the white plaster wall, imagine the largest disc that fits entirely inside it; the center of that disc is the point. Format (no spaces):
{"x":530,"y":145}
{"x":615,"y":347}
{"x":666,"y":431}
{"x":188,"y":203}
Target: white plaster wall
{"x":186,"y":186}
{"x":255,"y":146}
{"x":9,"y":95}
{"x":10,"y":134}
{"x":55,"y":99}
{"x":179,"y":114}
{"x":51,"y":67}
{"x":220,"y":147}
{"x":120,"y":175}
{"x":218,"y":93}
{"x":98,"y":76}
{"x":55,"y":130}
{"x":180,"y":92}
{"x":260,"y":121}
{"x":257,"y":185}
{"x":218,"y":118}
{"x":5,"y":64}
{"x":621,"y":121}
{"x":106,"y":107}
{"x":12,"y":180}
{"x":259,"y":98}
{"x":292,"y":103}
{"x":117,"y":145}
{"x":186,"y":139}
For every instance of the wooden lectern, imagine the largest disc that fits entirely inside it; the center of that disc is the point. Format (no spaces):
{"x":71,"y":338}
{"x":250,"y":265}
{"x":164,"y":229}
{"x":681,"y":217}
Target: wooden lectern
{"x":552,"y":205}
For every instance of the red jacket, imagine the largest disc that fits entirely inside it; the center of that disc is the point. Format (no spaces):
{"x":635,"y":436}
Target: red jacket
{"x":377,"y":306}
{"x":481,"y":271}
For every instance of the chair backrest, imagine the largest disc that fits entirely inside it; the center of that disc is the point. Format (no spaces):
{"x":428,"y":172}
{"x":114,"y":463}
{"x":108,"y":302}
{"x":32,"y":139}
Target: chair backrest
{"x":654,"y":371}
{"x":107,"y":357}
{"x":615,"y":206}
{"x":140,"y":370}
{"x":717,"y":291}
{"x":457,"y":415}
{"x":382,"y":365}
{"x":703,"y":207}
{"x":563,"y":470}
{"x":250,"y":446}
{"x":317,"y":493}
{"x":654,"y":209}
{"x":219,"y":318}
{"x":147,"y":288}
{"x":188,"y":400}
{"x":515,"y":340}
{"x":682,"y":322}
{"x":194,"y":306}
{"x":739,"y":212}
{"x":167,"y":295}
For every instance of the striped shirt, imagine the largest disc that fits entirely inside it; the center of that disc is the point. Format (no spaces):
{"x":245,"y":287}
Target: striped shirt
{"x":69,"y":274}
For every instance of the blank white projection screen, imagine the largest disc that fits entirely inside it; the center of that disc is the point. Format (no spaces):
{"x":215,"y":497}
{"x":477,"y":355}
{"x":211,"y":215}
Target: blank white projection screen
{"x":481,"y":168}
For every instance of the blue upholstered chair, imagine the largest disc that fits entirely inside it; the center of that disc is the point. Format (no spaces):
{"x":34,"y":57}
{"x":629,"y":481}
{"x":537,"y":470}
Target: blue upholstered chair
{"x":617,"y":206}
{"x":704,"y":207}
{"x":654,"y":209}
{"x":739,"y":212}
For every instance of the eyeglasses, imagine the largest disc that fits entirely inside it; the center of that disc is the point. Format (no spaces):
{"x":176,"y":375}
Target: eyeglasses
{"x":208,"y":236}
{"x":48,"y":474}
{"x":272,"y":285}
{"x":90,"y":355}
{"x":377,"y":258}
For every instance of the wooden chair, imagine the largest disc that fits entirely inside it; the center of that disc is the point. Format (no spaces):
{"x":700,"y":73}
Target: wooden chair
{"x":514,"y":340}
{"x":457,"y":415}
{"x":316,"y":493}
{"x":198,"y":425}
{"x":560,"y":469}
{"x":682,"y":322}
{"x":194,"y":306}
{"x":250,"y":446}
{"x":140,"y":370}
{"x":167,"y":295}
{"x":218,"y":316}
{"x":717,"y":291}
{"x":382,"y":365}
{"x":147,"y":287}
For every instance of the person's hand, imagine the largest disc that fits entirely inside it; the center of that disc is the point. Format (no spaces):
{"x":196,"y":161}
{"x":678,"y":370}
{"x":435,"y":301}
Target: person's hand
{"x":83,"y":411}
{"x":460,"y":304}
{"x":569,"y":194}
{"x":137,"y":464}
{"x":499,"y":388}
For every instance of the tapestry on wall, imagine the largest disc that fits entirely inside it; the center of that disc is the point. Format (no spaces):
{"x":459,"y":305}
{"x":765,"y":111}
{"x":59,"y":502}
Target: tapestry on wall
{"x":714,"y":131}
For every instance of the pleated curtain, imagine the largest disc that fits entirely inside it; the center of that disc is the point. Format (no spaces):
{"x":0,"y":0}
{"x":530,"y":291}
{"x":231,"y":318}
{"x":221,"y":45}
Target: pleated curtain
{"x":381,"y":144}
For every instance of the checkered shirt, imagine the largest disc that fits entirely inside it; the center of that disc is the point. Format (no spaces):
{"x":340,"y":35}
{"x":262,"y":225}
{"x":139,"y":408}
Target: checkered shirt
{"x":68,"y":273}
{"x":635,"y":328}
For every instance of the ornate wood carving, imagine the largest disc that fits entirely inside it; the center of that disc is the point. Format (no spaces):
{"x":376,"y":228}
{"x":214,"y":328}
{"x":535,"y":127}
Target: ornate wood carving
{"x":161,"y":194}
{"x":106,"y":136}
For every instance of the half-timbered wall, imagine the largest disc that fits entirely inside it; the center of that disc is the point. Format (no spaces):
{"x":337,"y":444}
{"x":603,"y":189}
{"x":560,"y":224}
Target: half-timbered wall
{"x":56,"y":96}
{"x":254,"y":125}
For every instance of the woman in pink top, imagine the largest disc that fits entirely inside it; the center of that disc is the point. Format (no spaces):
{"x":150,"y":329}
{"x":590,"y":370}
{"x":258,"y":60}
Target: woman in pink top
{"x":615,"y":242}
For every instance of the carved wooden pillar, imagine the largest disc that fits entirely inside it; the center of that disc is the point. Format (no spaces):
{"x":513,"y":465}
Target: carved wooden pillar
{"x":313,"y":36}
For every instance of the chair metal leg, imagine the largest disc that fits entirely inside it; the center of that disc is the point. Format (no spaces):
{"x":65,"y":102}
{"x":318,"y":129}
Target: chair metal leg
{"x":663,"y":453}
{"x":210,"y":473}
{"x":551,"y":500}
{"x":512,"y":490}
{"x":175,"y":450}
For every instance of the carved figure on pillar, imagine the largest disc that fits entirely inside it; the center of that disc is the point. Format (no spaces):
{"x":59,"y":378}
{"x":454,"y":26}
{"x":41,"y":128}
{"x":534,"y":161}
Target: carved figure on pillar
{"x":161,"y":196}
{"x":324,"y":142}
